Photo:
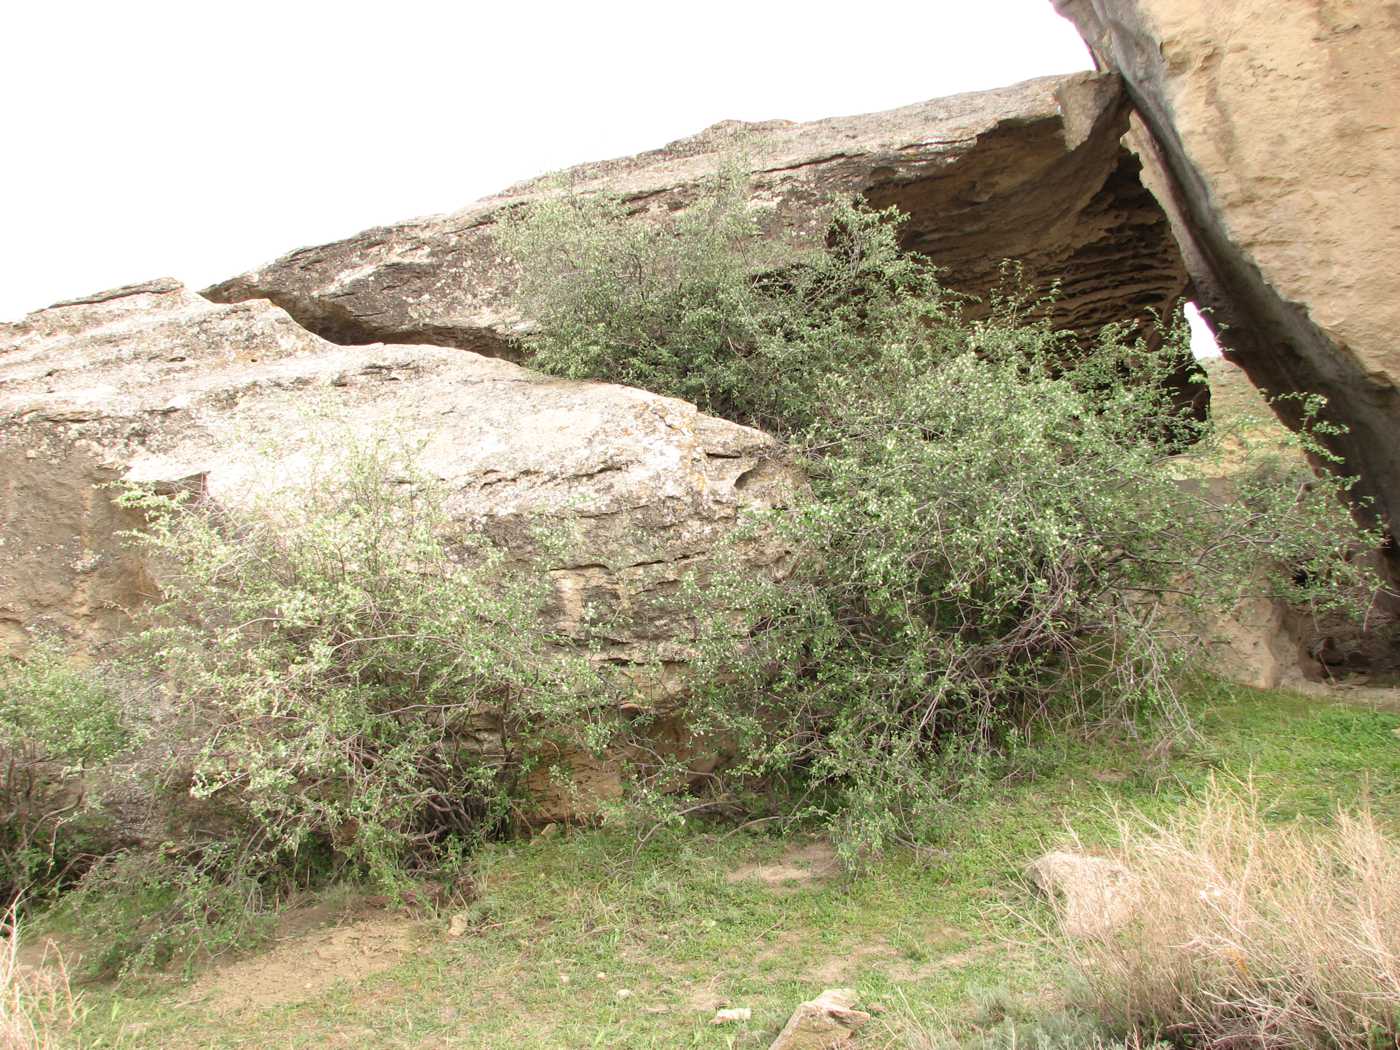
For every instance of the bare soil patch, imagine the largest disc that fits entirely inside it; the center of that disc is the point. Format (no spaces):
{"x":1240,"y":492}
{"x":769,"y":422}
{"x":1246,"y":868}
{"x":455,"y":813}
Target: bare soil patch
{"x":307,"y":963}
{"x":801,"y":865}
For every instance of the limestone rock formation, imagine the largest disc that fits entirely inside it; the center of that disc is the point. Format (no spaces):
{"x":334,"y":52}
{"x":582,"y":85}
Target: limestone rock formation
{"x":153,"y":383}
{"x":1034,"y":172}
{"x":1270,"y":132}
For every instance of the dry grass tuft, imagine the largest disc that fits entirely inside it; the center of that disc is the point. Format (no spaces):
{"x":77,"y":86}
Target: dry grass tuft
{"x":1248,"y":935}
{"x":908,"y":1028}
{"x":34,"y":1002}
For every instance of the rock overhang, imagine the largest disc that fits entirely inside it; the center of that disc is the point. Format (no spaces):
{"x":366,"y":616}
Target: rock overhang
{"x":1033,"y":172}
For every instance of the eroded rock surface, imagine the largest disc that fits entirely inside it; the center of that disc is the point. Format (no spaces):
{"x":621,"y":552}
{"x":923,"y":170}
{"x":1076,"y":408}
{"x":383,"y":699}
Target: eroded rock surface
{"x":1272,"y":134}
{"x":1093,"y":896}
{"x":830,"y":1020}
{"x":1034,"y":172}
{"x":153,"y":383}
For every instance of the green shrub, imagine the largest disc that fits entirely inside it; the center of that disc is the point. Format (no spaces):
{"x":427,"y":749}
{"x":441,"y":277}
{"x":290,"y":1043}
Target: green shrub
{"x":705,"y":307}
{"x":1001,"y":528}
{"x":369,"y":679}
{"x":144,"y":908}
{"x":57,"y":722}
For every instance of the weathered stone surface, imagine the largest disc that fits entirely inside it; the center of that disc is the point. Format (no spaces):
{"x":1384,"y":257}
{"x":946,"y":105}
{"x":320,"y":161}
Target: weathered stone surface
{"x":155,"y":384}
{"x":1093,"y":896}
{"x":829,"y":1020}
{"x":1272,"y":134}
{"x":1034,"y":172}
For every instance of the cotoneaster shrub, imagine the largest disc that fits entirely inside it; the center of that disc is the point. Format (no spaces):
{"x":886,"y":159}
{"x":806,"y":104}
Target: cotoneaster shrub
{"x":58,"y":723}
{"x":367,"y":683}
{"x":375,"y":672}
{"x":1001,"y":528}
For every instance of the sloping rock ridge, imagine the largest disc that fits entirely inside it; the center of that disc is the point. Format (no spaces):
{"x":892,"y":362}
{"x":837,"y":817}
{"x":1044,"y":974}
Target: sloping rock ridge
{"x":1270,"y":133}
{"x":1034,"y":172}
{"x":156,"y":384}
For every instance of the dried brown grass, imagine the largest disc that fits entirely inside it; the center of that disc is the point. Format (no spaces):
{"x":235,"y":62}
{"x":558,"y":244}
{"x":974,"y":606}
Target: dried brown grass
{"x":1253,"y":935}
{"x":36,"y":1003}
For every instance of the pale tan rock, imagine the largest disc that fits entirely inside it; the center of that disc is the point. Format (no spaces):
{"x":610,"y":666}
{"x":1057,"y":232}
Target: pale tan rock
{"x":157,"y":385}
{"x":1093,"y":896}
{"x":1255,"y":646}
{"x":732,"y":1015}
{"x":1033,"y":172}
{"x":829,"y":1020}
{"x":1271,"y":131}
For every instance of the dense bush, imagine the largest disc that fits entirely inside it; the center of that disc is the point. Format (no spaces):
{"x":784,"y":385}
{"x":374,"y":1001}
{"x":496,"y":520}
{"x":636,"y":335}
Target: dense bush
{"x":705,"y":307}
{"x":1001,"y":527}
{"x":369,"y":680}
{"x":57,"y":722}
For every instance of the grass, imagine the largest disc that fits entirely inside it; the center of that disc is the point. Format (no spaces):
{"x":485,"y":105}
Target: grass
{"x":35,"y":1002}
{"x":1248,"y":933}
{"x":947,"y":939}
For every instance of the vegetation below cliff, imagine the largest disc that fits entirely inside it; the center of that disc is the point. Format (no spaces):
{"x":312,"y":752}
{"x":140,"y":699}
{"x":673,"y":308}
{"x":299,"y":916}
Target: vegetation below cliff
{"x":986,"y":617}
{"x":948,"y":940}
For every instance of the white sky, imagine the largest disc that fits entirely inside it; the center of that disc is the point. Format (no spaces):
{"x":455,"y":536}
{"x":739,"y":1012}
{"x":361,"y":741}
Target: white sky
{"x":198,"y":140}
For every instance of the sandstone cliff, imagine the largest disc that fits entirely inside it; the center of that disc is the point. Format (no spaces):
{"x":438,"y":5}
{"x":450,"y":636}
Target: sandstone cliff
{"x":1271,"y":133}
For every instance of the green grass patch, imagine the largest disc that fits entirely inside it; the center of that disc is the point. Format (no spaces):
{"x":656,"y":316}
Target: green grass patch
{"x":563,"y":923}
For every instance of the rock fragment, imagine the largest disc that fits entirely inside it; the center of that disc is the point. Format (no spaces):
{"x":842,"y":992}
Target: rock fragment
{"x":829,"y":1020}
{"x":1093,"y":896}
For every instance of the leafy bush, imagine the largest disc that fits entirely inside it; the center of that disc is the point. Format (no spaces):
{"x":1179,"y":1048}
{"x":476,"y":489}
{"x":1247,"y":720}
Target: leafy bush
{"x":704,"y":306}
{"x":56,"y":723}
{"x":368,"y":677}
{"x":1248,"y":934}
{"x":1001,"y":527}
{"x":144,"y":908}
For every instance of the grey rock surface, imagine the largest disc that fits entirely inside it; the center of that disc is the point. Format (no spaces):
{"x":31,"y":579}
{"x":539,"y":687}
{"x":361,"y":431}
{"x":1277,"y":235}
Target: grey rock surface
{"x":155,"y":384}
{"x":1033,"y":172}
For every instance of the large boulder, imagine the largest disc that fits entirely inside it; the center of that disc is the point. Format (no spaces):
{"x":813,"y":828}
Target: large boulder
{"x":1269,"y":132}
{"x":153,"y":383}
{"x":1035,"y":172}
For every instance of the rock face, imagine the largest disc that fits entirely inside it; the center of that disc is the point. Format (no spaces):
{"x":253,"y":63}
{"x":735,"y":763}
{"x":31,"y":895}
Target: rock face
{"x":155,"y":384}
{"x":1034,"y":172}
{"x":1270,"y":133}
